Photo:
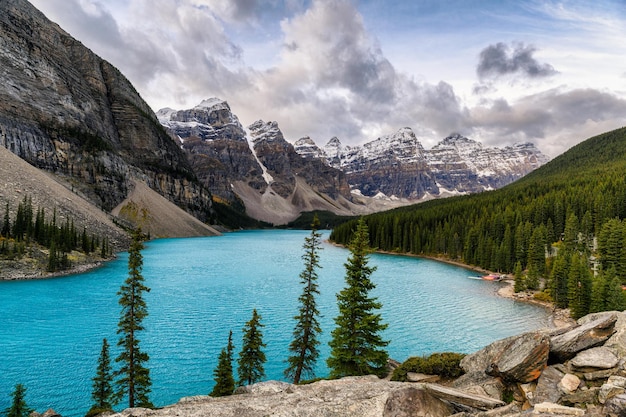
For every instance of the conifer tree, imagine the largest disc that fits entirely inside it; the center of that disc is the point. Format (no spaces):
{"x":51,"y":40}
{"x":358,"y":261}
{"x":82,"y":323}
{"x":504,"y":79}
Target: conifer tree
{"x":357,"y":347}
{"x":579,"y":287}
{"x":18,"y":407}
{"x":304,"y":344}
{"x":251,"y":358}
{"x":532,"y":277}
{"x":104,"y":248}
{"x":224,"y":379}
{"x":570,"y":234}
{"x":133,"y":376}
{"x":102,"y":393}
{"x":518,"y":275}
{"x":615,"y":299}
{"x":53,"y":258}
{"x":6,"y":223}
{"x":537,"y":250}
{"x":559,"y":280}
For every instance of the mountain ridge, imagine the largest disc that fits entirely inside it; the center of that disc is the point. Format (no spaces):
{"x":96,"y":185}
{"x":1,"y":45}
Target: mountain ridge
{"x":456,"y":165}
{"x":390,"y":171}
{"x":67,"y":111}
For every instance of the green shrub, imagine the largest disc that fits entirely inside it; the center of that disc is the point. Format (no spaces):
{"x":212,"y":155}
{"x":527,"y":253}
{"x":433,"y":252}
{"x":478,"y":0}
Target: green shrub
{"x":444,"y":364}
{"x":94,"y":411}
{"x":542,"y":296}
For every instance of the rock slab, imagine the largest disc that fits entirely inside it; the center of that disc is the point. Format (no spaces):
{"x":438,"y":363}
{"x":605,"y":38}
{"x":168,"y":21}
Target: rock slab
{"x":522,"y":360}
{"x":565,"y":346}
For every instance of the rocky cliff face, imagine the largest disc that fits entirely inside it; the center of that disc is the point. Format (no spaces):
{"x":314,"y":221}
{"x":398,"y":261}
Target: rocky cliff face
{"x":65,"y":110}
{"x":392,"y":165}
{"x":255,"y":165}
{"x":216,"y":146}
{"x":464,"y":165}
{"x":285,"y":164}
{"x":397,"y":165}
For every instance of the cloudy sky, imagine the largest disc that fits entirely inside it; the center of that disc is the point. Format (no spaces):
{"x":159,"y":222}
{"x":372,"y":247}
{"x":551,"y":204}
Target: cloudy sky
{"x":499,"y":71}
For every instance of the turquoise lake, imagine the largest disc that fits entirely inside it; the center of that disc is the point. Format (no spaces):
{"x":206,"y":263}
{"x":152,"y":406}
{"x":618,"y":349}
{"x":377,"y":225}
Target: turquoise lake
{"x":201,"y":288}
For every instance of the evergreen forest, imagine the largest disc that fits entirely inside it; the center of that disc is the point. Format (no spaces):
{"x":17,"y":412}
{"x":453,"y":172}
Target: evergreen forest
{"x":31,"y":227}
{"x":560,"y":229}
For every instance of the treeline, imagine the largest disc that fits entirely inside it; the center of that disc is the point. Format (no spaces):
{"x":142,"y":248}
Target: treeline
{"x":30,"y":226}
{"x":567,"y":207}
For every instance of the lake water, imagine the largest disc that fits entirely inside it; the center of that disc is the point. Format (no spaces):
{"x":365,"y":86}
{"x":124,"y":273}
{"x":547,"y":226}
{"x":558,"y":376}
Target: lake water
{"x":52,"y":330}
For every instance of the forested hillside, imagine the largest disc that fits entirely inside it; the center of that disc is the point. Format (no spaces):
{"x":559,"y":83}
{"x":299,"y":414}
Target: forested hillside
{"x":556,"y":224}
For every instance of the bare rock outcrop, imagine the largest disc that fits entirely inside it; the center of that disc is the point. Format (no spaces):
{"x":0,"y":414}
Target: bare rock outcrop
{"x":522,"y":359}
{"x":590,"y":334}
{"x":67,"y":111}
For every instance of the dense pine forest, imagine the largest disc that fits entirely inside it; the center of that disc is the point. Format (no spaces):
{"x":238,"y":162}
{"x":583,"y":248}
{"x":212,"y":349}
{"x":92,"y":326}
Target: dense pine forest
{"x":31,"y":227}
{"x":560,"y":229}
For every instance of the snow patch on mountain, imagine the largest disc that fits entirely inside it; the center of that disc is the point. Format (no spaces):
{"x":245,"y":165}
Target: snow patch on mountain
{"x":266,"y":175}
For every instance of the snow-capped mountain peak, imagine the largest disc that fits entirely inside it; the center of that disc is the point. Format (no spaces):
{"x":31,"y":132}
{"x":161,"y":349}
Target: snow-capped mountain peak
{"x":211,"y":119}
{"x":456,"y":165}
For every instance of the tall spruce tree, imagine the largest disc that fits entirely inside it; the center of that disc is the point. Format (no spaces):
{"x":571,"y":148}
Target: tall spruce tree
{"x":6,"y":223}
{"x":102,"y":394}
{"x":518,"y":274}
{"x":18,"y":407}
{"x":224,"y":379}
{"x":579,"y":286}
{"x":304,"y":344}
{"x":559,"y":279}
{"x":357,"y":347}
{"x":133,"y":376}
{"x":251,"y":358}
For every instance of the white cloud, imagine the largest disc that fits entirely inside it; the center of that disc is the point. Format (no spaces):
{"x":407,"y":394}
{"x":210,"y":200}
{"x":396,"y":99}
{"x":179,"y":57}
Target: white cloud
{"x":315,"y":67}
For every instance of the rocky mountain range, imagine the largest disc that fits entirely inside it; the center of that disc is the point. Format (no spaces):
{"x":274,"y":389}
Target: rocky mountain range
{"x":65,"y":110}
{"x":276,"y":180}
{"x":397,"y":165}
{"x":255,"y":167}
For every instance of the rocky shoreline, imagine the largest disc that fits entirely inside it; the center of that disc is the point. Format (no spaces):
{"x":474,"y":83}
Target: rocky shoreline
{"x":30,"y":269}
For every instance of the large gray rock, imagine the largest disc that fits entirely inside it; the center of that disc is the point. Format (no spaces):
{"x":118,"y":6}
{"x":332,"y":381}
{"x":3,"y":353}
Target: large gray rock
{"x":602,"y":374}
{"x":595,"y":358}
{"x":548,"y":387}
{"x":617,"y":342}
{"x":569,"y":383}
{"x":347,"y":397}
{"x":585,"y":336}
{"x":414,"y":402}
{"x":480,"y":360}
{"x":417,"y":377}
{"x":268,"y":387}
{"x":463,"y":398}
{"x":615,"y":385}
{"x":480,"y":382}
{"x":581,"y":397}
{"x":522,"y":359}
{"x":616,"y":406}
{"x":557,"y":409}
{"x":608,"y":391}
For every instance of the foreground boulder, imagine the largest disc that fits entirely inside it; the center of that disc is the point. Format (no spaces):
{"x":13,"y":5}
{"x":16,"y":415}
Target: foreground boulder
{"x":590,"y":334}
{"x":522,"y":359}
